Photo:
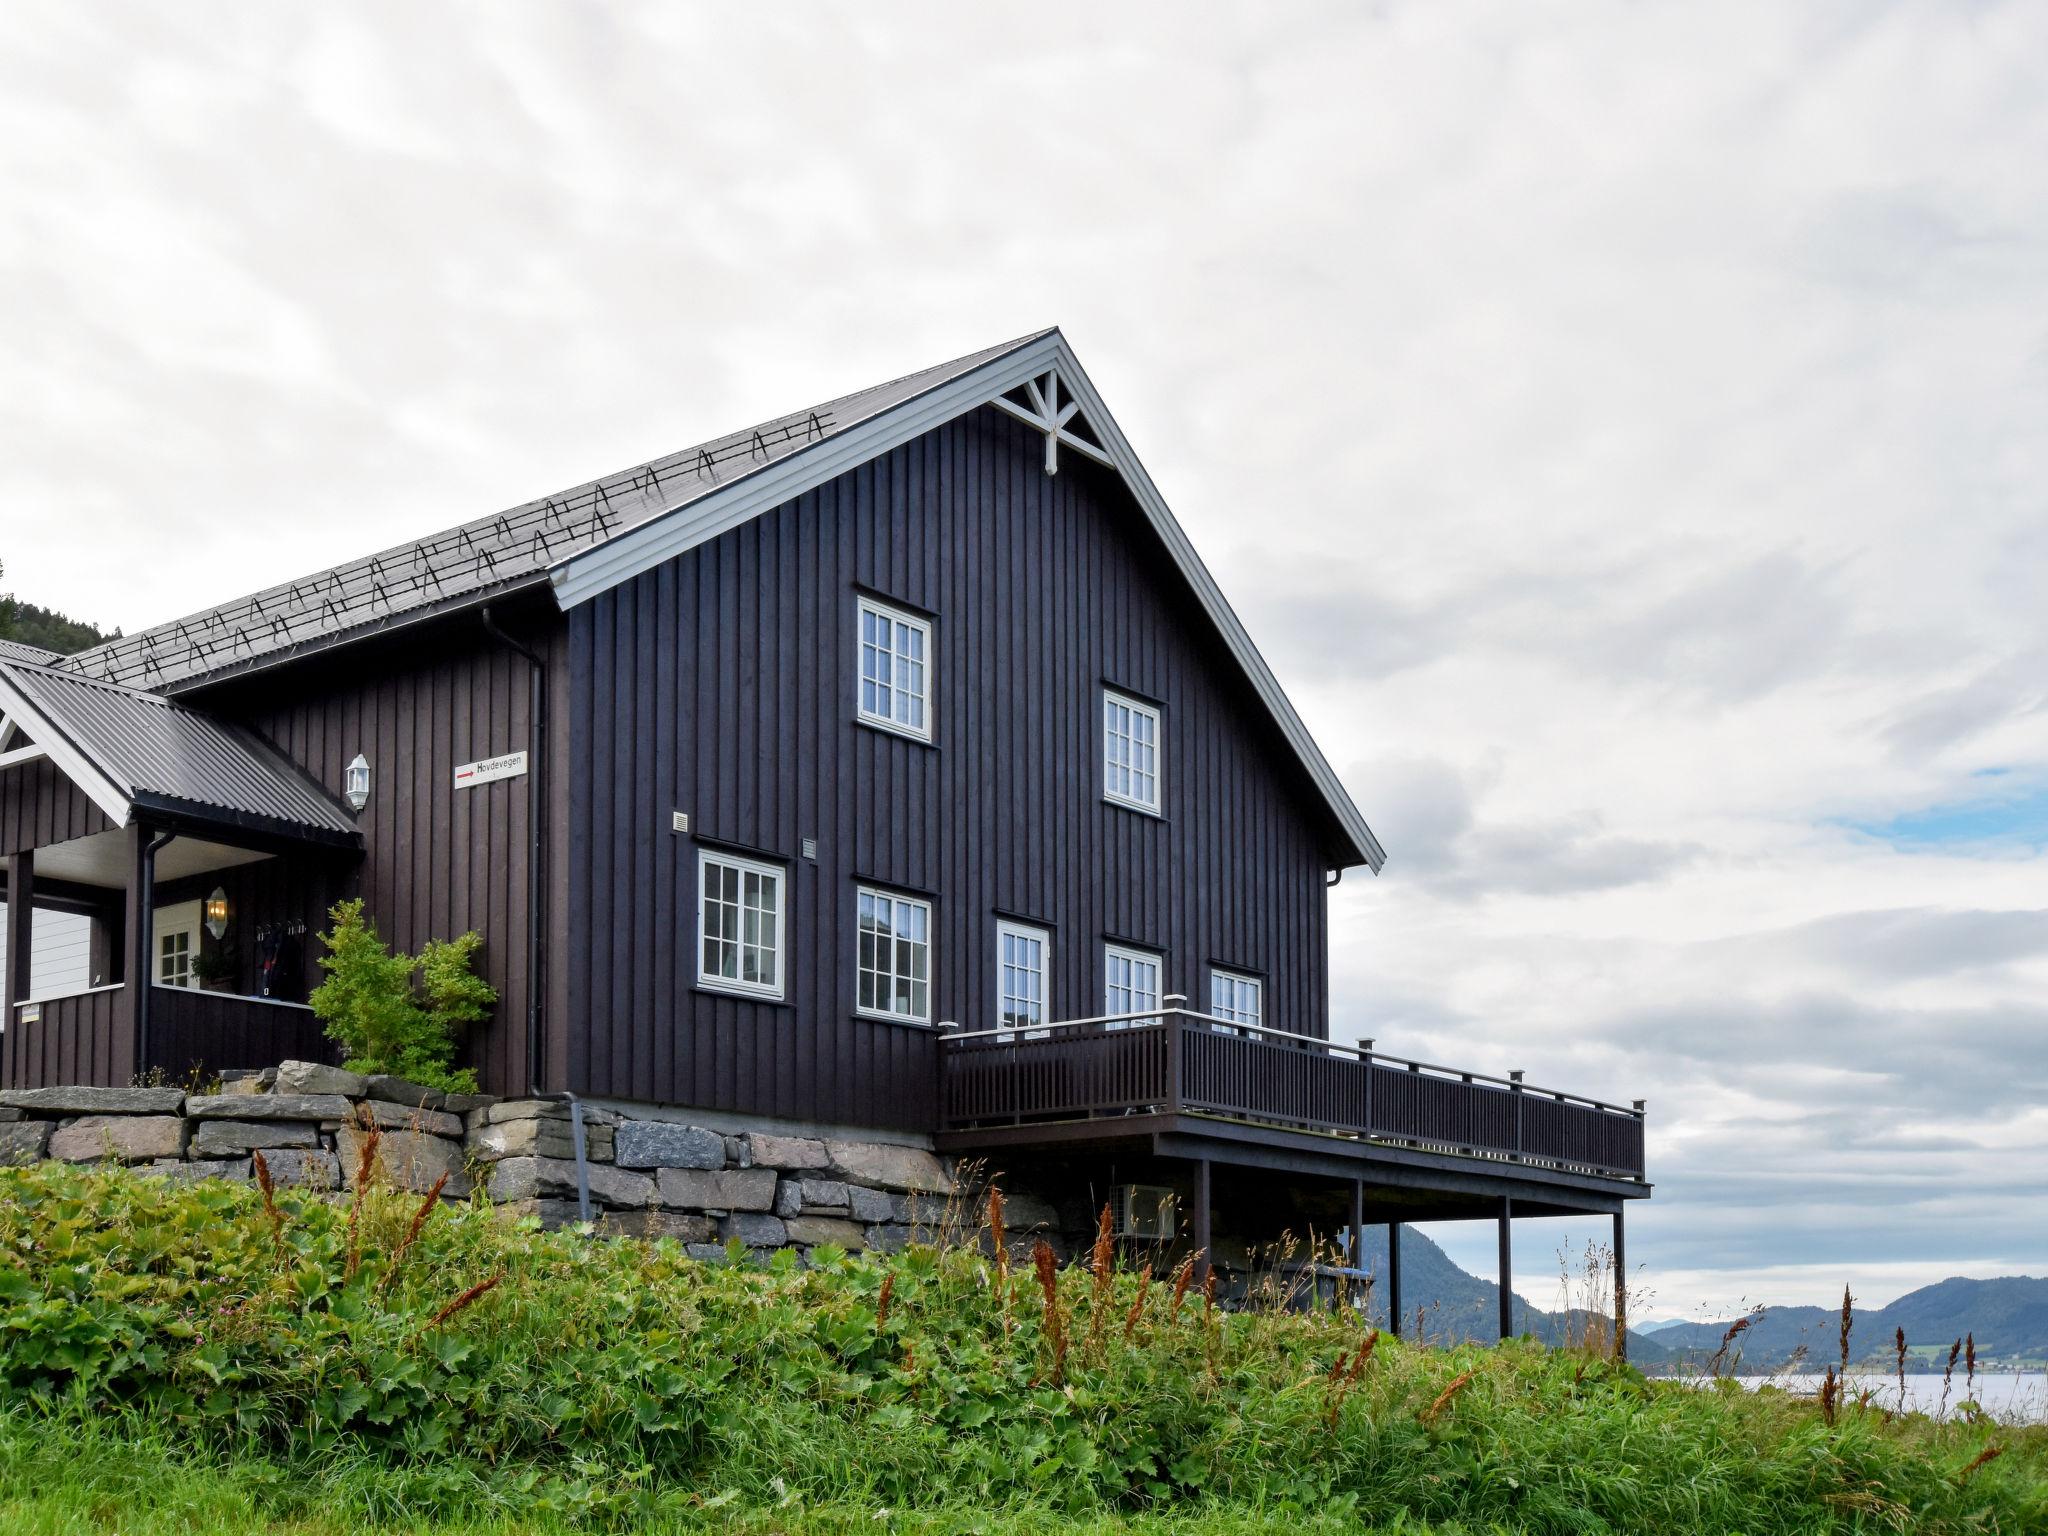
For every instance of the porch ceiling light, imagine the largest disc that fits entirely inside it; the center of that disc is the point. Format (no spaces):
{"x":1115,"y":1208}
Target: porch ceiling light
{"x":356,"y":788}
{"x":217,"y":912}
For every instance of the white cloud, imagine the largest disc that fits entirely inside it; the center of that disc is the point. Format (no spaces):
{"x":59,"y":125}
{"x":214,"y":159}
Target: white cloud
{"x":1623,"y":427}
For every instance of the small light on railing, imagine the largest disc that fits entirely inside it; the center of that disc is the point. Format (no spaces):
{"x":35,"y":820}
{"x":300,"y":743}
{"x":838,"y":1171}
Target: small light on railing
{"x":217,"y":912}
{"x":356,"y":786}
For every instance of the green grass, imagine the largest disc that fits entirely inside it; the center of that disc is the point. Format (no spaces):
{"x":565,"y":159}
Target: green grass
{"x":177,"y":1358}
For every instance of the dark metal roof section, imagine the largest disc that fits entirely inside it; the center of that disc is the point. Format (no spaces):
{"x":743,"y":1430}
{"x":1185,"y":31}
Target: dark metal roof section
{"x":168,"y":761}
{"x":477,"y":560}
{"x":14,"y":650}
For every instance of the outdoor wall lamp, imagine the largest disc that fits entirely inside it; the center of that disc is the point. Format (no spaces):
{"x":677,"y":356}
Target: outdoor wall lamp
{"x":356,"y":787}
{"x":217,"y":913}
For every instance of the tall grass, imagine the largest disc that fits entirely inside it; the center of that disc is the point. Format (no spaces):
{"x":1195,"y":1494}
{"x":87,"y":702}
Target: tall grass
{"x":492,"y":1371}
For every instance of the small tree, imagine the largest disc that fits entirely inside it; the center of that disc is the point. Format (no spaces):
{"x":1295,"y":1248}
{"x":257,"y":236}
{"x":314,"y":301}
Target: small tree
{"x":383,"y":1021}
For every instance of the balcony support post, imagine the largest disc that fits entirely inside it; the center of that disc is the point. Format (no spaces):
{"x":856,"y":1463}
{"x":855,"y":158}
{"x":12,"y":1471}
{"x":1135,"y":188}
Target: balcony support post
{"x":1200,"y":1223}
{"x":1507,"y":1268}
{"x":1357,"y":1254}
{"x":1394,"y":1277}
{"x":21,"y":914}
{"x":1620,"y":1288}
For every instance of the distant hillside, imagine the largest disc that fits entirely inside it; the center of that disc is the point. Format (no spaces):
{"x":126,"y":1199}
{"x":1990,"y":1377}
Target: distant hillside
{"x":2008,"y":1317}
{"x":44,"y":627}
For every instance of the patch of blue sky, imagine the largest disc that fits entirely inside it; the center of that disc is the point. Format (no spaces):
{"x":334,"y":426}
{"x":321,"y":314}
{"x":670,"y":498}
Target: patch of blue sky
{"x":2007,"y":819}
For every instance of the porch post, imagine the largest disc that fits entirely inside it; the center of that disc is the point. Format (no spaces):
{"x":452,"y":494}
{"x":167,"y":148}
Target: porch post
{"x":1357,"y":1224}
{"x":135,"y":979}
{"x":21,"y":913}
{"x":1507,"y":1268}
{"x":1394,"y":1277}
{"x":1201,"y":1222}
{"x":1620,"y":1289}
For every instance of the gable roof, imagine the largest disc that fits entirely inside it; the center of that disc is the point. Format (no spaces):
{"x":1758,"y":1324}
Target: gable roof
{"x":128,"y":751}
{"x":583,"y":541}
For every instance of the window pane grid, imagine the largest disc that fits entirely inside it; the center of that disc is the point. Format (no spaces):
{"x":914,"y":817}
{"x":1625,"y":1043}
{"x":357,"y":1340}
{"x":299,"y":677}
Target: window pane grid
{"x":1238,"y":999}
{"x":893,"y":669}
{"x":1130,"y":752}
{"x":894,"y":956}
{"x":1131,"y":982}
{"x":1020,"y":984}
{"x":740,"y":925}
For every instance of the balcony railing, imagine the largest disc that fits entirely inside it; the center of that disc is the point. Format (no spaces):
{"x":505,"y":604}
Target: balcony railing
{"x":1181,"y":1062}
{"x":87,"y":1037}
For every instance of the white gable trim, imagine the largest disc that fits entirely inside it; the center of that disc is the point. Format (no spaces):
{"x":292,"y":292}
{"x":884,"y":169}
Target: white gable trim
{"x":80,"y":769}
{"x":582,"y":576}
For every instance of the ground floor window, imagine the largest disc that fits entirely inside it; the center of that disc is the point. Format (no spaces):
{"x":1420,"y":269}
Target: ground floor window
{"x":739,"y":924}
{"x":895,"y":956}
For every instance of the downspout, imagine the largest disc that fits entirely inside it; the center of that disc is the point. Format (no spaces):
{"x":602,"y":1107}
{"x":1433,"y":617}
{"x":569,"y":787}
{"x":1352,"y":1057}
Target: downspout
{"x":536,"y":885}
{"x":140,"y":946}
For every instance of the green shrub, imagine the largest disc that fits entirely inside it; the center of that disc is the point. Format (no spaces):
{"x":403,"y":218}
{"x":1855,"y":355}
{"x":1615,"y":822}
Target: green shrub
{"x":397,"y":1013}
{"x":596,"y":1379}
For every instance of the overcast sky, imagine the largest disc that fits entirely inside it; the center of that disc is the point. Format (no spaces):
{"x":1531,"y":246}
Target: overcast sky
{"x":1623,"y":427}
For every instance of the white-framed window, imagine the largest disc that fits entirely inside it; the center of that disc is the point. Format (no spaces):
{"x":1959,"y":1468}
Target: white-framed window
{"x":1023,"y":959}
{"x":1130,"y":982}
{"x":895,"y":956}
{"x":739,"y":924}
{"x":174,"y":959}
{"x":1237,"y":999}
{"x":895,"y":669}
{"x":1130,"y":752}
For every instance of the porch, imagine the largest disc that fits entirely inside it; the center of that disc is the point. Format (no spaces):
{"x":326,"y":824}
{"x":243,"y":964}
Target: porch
{"x":1357,"y":1138}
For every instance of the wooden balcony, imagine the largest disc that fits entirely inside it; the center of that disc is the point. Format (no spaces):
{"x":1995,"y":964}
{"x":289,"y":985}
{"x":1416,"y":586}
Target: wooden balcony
{"x":1187,"y":1064}
{"x":88,"y":1037}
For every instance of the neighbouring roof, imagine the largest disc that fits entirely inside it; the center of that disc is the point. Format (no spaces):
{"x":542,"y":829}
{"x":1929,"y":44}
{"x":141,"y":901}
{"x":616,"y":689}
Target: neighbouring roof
{"x":15,"y":650}
{"x":580,"y":542}
{"x":129,"y":750}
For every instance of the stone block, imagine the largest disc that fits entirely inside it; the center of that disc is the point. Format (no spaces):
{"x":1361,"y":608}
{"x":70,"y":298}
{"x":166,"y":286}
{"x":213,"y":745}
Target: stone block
{"x":886,"y":1166}
{"x":756,"y":1230}
{"x":201,"y":1168}
{"x":1025,"y":1213}
{"x":826,"y":1197}
{"x":24,"y":1142}
{"x":248,"y":1082}
{"x":305,"y":1169}
{"x":656,"y":1222}
{"x":871,"y":1205}
{"x":732,"y":1189}
{"x":406,"y":1159}
{"x":811,"y":1230}
{"x":95,"y":1101}
{"x":9,"y":1114}
{"x":123,"y":1138}
{"x":390,"y":1116}
{"x":890,"y":1237}
{"x":552,"y":1214}
{"x":789,"y":1198}
{"x":706,"y":1253}
{"x":664,"y":1144}
{"x":330,"y":1107}
{"x":313,"y":1077}
{"x":789,"y":1153}
{"x":231,"y":1138}
{"x":397,"y":1090}
{"x":499,"y":1111}
{"x":521,"y":1138}
{"x":530,"y":1178}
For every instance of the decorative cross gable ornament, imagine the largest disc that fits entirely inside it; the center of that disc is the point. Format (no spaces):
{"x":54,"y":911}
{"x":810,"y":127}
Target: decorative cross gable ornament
{"x":1043,"y":409}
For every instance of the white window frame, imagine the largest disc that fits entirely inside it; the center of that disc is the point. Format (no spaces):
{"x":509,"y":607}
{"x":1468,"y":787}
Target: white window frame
{"x":1028,"y":933}
{"x":708,"y":858}
{"x":1115,"y":955}
{"x":1236,"y":983}
{"x":882,"y":612}
{"x":863,"y":896}
{"x":1112,"y":769}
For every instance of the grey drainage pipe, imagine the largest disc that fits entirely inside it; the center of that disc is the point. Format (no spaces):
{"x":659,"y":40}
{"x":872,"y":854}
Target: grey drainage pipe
{"x":582,"y":1155}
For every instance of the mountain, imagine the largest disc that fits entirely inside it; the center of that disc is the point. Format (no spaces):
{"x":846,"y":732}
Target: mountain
{"x":2007,"y":1317}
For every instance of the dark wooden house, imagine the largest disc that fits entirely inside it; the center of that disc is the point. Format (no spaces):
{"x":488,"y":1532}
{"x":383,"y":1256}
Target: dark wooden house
{"x":896,"y":764}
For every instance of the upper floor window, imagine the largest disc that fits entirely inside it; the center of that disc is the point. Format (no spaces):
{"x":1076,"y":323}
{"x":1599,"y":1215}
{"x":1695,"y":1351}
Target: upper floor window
{"x":1131,"y":981}
{"x":895,"y":669}
{"x":1022,"y":956}
{"x":739,"y":924}
{"x":1237,"y":999}
{"x":1130,"y":752}
{"x":895,"y":963}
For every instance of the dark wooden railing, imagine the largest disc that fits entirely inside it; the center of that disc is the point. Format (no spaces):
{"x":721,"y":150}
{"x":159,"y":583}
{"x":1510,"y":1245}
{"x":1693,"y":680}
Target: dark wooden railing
{"x":87,"y":1038}
{"x":1188,"y":1063}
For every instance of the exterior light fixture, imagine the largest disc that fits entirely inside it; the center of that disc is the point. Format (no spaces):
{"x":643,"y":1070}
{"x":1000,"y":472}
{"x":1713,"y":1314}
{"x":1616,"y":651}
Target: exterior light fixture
{"x":217,"y":912}
{"x":356,"y":788}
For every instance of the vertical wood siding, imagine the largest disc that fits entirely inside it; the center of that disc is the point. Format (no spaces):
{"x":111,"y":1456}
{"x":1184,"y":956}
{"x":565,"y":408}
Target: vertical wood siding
{"x":722,"y":684}
{"x":39,"y":806}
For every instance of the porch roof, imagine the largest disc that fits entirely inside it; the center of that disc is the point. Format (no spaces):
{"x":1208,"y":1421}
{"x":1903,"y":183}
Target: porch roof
{"x":137,"y":753}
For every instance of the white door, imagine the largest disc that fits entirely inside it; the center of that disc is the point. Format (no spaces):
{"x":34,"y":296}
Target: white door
{"x":174,"y":944}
